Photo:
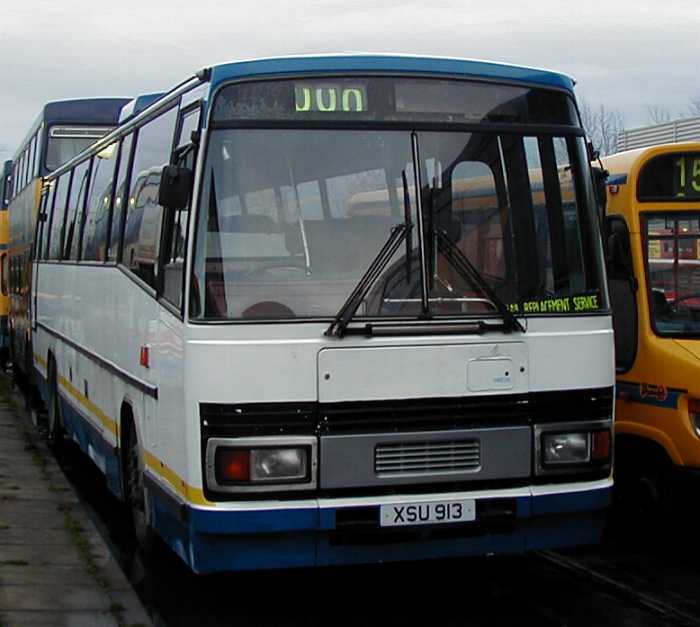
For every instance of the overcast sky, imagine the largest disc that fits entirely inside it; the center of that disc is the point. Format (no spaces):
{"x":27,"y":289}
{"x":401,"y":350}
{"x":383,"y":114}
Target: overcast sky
{"x":626,"y":55}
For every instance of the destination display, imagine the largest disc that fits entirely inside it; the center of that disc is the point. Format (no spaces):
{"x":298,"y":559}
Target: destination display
{"x":367,"y":98}
{"x":670,"y":177}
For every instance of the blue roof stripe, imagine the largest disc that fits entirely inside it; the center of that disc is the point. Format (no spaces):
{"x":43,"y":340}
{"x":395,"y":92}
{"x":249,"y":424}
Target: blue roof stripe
{"x":381,"y":63}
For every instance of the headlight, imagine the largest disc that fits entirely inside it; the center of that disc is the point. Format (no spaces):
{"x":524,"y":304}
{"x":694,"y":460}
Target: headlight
{"x":262,"y":465}
{"x":694,"y":413}
{"x":565,"y":448}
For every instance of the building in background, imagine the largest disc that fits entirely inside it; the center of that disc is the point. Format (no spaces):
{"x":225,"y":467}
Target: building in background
{"x":682,"y":130}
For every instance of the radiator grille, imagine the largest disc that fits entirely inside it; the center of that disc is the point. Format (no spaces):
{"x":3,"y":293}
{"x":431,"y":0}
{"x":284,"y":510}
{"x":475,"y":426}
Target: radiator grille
{"x":411,"y":458}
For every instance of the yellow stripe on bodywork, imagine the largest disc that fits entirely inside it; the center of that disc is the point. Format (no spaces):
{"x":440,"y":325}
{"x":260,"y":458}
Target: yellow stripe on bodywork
{"x":190,"y":493}
{"x":106,"y":421}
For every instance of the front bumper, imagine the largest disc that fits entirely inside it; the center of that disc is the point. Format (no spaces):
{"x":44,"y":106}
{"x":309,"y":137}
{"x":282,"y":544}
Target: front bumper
{"x":318,"y":532}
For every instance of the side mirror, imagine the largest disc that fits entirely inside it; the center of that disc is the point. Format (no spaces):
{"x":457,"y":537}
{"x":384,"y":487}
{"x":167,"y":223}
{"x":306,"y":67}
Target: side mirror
{"x":175,"y":187}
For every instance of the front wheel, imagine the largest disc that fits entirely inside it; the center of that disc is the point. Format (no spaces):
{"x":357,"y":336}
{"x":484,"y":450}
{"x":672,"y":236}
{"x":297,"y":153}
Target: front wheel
{"x":136,"y":493}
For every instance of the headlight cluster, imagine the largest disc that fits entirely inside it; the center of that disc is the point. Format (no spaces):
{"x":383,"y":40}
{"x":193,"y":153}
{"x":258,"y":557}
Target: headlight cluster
{"x":261,"y":464}
{"x":575,"y":446}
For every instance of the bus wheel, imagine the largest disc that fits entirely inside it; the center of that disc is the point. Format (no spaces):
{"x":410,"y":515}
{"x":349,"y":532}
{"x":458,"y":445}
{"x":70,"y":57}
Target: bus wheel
{"x":55,"y":419}
{"x":136,"y":494}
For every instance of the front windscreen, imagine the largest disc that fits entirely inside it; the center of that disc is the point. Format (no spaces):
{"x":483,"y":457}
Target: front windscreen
{"x":290,"y":220}
{"x":673,"y":269}
{"x":66,"y":142}
{"x":292,"y":217}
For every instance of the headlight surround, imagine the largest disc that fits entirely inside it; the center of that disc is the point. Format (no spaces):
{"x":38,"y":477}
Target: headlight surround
{"x":573,"y":447}
{"x":261,"y":464}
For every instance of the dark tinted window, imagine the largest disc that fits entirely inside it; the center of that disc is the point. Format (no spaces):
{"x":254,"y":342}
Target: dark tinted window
{"x":58,"y":233}
{"x":41,"y":229}
{"x":44,"y":251}
{"x":120,"y":198}
{"x":380,"y":99}
{"x":75,"y":210}
{"x":30,"y":158}
{"x":99,"y":200}
{"x":671,"y":177}
{"x":144,"y":215}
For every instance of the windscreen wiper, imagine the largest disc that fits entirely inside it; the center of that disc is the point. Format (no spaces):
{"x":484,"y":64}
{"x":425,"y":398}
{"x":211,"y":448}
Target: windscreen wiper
{"x":347,"y":311}
{"x":468,"y":271}
{"x":409,"y":225}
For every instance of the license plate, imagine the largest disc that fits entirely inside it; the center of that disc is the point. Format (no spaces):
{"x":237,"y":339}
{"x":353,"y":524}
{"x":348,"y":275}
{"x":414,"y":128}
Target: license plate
{"x":427,"y":513}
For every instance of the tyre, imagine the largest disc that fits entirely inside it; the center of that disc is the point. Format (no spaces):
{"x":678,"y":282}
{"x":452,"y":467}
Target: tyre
{"x":136,"y":493}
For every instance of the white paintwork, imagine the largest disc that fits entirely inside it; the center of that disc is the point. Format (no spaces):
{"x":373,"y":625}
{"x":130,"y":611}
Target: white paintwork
{"x":106,"y":312}
{"x":347,"y":374}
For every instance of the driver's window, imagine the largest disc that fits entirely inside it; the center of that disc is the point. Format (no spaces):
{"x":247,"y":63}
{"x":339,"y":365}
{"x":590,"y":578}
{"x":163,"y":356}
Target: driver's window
{"x":176,"y":226}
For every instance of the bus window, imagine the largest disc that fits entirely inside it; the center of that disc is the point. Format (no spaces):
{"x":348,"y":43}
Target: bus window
{"x":74,"y":211}
{"x":189,"y":124}
{"x":144,"y":215}
{"x":175,"y":236}
{"x":66,"y":142}
{"x":58,"y":215}
{"x":31,"y":158}
{"x":120,"y":198}
{"x":98,"y":205}
{"x":44,"y":252}
{"x":673,"y":267}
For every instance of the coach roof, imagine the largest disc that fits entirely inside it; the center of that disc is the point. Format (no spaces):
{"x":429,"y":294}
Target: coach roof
{"x":389,"y":63}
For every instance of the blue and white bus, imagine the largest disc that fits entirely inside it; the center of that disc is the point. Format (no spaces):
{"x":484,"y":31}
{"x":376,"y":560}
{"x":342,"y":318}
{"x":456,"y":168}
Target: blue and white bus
{"x":61,"y":131}
{"x":335,"y":309}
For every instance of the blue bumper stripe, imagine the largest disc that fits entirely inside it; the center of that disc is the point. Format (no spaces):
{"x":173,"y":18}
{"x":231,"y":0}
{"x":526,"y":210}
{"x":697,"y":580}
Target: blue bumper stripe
{"x":216,"y":540}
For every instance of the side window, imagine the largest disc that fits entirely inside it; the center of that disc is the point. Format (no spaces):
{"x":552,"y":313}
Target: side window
{"x":48,"y":211}
{"x":32,"y":157}
{"x":74,"y":211}
{"x":58,"y":215}
{"x":94,"y":242}
{"x":23,"y":170}
{"x":120,"y":198}
{"x":144,"y":216}
{"x":622,"y":288}
{"x":176,"y":222}
{"x":41,"y":224}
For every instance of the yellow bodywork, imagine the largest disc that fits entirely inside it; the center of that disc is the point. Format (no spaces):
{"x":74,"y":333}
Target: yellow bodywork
{"x":665,"y":370}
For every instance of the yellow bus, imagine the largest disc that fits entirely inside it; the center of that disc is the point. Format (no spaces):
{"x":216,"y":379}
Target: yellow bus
{"x":653,"y":253}
{"x":4,"y":243}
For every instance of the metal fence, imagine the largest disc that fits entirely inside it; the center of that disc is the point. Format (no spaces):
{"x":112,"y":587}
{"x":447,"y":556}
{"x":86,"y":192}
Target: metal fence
{"x":684,"y":130}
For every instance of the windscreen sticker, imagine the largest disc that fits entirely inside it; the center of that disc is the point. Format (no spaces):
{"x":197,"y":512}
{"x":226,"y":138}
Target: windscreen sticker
{"x":566,"y":304}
